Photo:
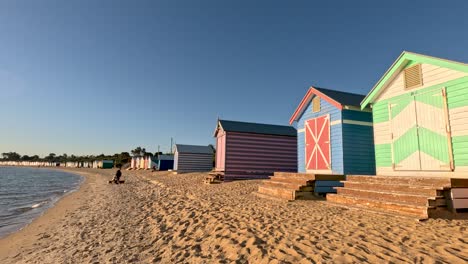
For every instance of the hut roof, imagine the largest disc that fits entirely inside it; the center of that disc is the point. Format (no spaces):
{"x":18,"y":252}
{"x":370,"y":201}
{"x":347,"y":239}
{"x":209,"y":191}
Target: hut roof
{"x":255,"y":128}
{"x":344,"y":98}
{"x":404,"y":59}
{"x":336,"y":98}
{"x":165,"y":157}
{"x":194,"y":149}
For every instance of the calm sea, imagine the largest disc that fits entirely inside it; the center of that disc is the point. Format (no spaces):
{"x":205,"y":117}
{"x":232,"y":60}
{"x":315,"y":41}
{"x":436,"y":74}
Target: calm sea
{"x":25,"y":193}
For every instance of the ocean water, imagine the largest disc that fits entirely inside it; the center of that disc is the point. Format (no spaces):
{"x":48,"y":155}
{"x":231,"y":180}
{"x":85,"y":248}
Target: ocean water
{"x":25,"y":193}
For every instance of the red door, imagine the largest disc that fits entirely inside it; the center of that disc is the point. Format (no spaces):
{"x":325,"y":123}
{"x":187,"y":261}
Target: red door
{"x":317,"y":141}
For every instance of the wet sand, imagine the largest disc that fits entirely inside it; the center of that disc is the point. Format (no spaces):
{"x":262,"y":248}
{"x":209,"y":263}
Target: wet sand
{"x":166,"y":218}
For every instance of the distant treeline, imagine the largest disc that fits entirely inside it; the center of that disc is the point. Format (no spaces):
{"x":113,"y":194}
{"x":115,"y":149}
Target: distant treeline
{"x":121,"y":158}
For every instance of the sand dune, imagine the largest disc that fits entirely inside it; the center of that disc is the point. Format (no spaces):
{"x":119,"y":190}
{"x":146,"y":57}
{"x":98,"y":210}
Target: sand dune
{"x":166,"y":218}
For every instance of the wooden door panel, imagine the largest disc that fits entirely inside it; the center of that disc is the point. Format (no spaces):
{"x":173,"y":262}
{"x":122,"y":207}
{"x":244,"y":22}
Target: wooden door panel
{"x":317,"y":139}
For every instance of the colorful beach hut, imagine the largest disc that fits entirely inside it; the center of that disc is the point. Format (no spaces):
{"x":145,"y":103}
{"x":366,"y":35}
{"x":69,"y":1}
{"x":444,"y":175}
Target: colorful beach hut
{"x":420,"y":115}
{"x":103,"y":164}
{"x":252,"y":150}
{"x":165,"y":162}
{"x":420,"y":109}
{"x":334,"y":136}
{"x":133,"y":163}
{"x":150,"y":162}
{"x":192,"y":158}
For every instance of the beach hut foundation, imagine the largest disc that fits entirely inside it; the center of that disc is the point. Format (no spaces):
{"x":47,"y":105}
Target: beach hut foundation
{"x":416,"y":197}
{"x":296,"y":186}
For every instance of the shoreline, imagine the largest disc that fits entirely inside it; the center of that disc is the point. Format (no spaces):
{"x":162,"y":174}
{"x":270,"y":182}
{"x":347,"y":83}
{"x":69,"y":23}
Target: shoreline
{"x":54,"y":202}
{"x":26,"y":236}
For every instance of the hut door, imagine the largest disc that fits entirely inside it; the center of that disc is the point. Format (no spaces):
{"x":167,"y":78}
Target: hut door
{"x":419,"y":132}
{"x":220,"y":152}
{"x":405,"y":144}
{"x":317,"y":141}
{"x":433,"y":130}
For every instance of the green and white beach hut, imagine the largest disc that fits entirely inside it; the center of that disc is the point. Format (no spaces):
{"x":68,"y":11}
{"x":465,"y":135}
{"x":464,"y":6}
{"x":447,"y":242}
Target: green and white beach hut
{"x":420,"y":115}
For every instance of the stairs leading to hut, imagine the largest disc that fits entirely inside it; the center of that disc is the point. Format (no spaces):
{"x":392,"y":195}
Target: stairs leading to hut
{"x":214,"y":177}
{"x":416,"y":197}
{"x":293,"y":186}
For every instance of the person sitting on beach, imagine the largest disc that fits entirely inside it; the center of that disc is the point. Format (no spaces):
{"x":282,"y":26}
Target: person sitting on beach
{"x":118,"y":174}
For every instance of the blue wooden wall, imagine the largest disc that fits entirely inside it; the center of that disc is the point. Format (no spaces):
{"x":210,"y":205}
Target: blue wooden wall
{"x":336,"y":136}
{"x":358,"y":143}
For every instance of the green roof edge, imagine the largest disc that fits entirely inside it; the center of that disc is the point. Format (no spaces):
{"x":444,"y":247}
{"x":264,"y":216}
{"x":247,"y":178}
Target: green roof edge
{"x":404,"y":58}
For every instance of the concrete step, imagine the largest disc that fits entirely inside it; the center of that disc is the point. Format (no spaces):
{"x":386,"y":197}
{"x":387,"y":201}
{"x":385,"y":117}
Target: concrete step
{"x":410,"y":199}
{"x":419,"y":212}
{"x":411,"y":181}
{"x":277,"y":192}
{"x":394,"y":188}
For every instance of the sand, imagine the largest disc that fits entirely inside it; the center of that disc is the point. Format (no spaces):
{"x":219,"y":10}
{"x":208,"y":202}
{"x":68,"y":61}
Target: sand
{"x":165,"y":218}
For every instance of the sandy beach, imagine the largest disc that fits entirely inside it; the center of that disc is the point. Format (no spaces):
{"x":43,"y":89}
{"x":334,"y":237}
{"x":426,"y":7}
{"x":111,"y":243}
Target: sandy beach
{"x":165,"y":218}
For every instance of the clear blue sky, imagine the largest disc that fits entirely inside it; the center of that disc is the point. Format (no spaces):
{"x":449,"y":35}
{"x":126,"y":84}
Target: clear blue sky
{"x":91,"y":77}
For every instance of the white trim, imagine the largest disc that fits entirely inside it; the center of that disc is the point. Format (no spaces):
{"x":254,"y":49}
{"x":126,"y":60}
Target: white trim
{"x":302,"y":130}
{"x":354,"y":122}
{"x":336,"y":122}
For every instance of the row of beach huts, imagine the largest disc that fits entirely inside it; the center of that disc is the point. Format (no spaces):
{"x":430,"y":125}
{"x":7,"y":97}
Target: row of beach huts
{"x":97,"y":164}
{"x":401,"y":148}
{"x":413,"y":122}
{"x":186,"y":158}
{"x":162,"y":162}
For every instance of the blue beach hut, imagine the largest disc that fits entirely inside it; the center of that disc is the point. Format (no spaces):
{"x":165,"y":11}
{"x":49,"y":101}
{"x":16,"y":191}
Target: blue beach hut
{"x":165,"y":162}
{"x":334,"y":136}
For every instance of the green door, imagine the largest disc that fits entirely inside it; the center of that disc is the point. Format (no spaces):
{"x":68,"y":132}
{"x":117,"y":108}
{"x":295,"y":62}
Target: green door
{"x":420,"y":136}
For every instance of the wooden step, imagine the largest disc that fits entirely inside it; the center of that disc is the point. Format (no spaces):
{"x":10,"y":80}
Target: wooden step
{"x":277,"y":192}
{"x":310,"y":176}
{"x":291,"y":180}
{"x":307,"y":196}
{"x":284,"y":185}
{"x":459,"y":182}
{"x":410,"y":199}
{"x":419,"y":212}
{"x":393,"y":188}
{"x":411,"y":181}
{"x":265,"y":196}
{"x":329,"y":177}
{"x":306,"y":176}
{"x":306,"y":188}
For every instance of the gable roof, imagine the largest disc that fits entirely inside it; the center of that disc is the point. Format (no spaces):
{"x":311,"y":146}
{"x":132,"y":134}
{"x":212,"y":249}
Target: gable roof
{"x":338,"y":99}
{"x":404,"y":59}
{"x":255,"y":128}
{"x":194,"y":149}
